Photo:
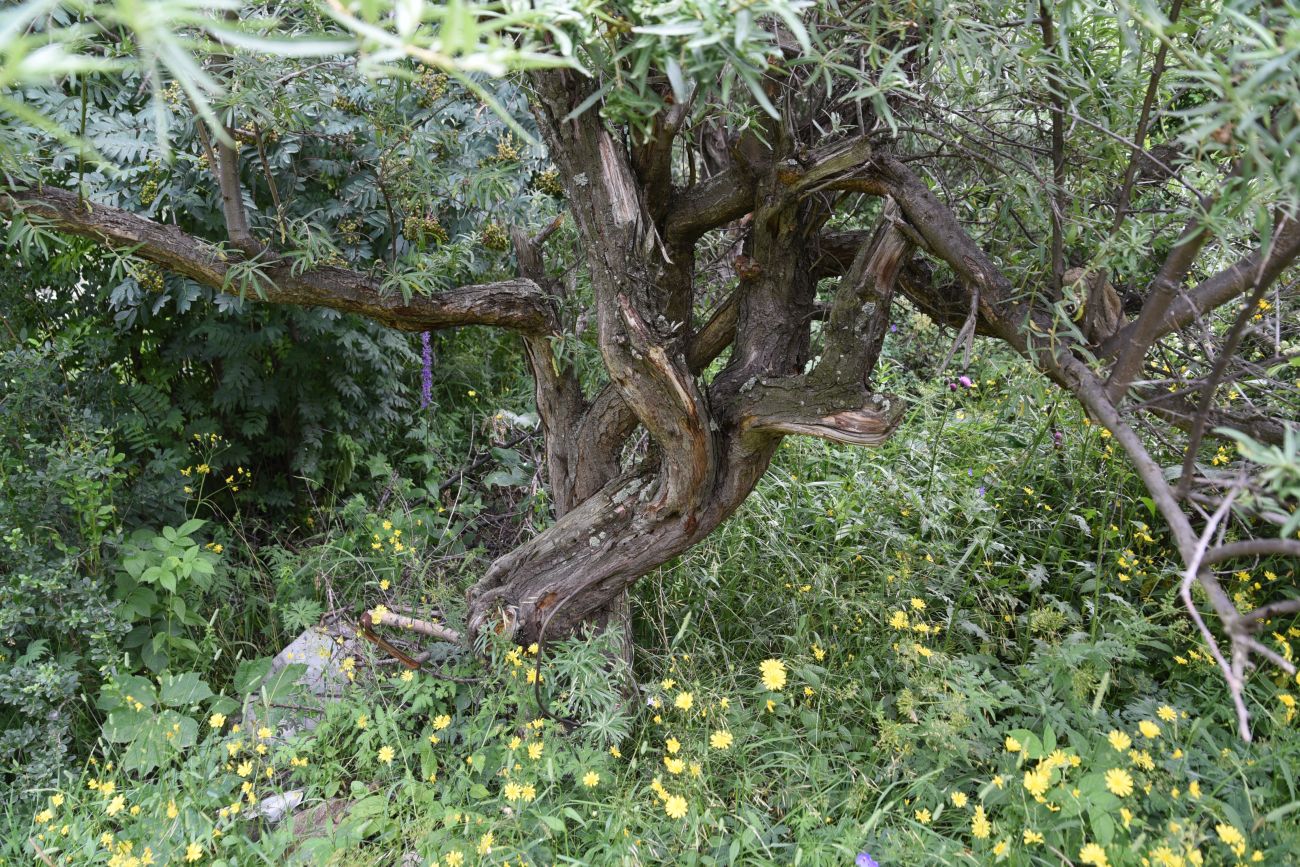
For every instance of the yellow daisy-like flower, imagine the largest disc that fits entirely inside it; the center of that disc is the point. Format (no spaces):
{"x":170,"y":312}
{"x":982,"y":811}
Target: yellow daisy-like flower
{"x":513,"y":791}
{"x":898,"y":620}
{"x":959,"y":799}
{"x":1038,"y":781}
{"x":675,"y":806}
{"x":378,"y":613}
{"x":386,"y":755}
{"x":684,"y":701}
{"x":1165,"y":857}
{"x":1001,"y":848}
{"x":980,"y":826}
{"x":918,"y":604}
{"x":485,"y":844}
{"x":1093,"y":854}
{"x":1230,"y":836}
{"x":1119,"y":782}
{"x":923,"y":816}
{"x":591,"y":779}
{"x":773,"y":671}
{"x":217,"y":720}
{"x":1032,"y":837}
{"x":1142,"y":759}
{"x":363,"y":721}
{"x":193,"y":852}
{"x":441,"y":721}
{"x":1149,"y":729}
{"x":672,"y":745}
{"x":1013,"y":745}
{"x":721,"y":739}
{"x":535,"y":750}
{"x":674,"y":765}
{"x":115,"y":806}
{"x":1119,"y":740}
{"x":1166,"y":713}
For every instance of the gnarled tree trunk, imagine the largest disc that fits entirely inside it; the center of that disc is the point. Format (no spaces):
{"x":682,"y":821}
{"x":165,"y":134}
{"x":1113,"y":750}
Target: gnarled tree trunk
{"x":712,"y":441}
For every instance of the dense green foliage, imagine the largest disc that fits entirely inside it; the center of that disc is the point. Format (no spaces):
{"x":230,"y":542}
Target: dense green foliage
{"x":967,"y":647}
{"x":974,"y":586}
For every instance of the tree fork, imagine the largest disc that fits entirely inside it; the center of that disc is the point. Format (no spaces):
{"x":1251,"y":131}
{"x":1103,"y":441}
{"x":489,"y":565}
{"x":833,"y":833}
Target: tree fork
{"x":575,"y":570}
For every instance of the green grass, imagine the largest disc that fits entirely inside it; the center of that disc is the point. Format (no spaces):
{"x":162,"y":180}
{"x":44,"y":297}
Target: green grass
{"x":1038,"y":596}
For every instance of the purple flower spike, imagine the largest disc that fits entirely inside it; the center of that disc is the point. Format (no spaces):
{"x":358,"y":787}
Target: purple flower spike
{"x":426,"y":372}
{"x":966,"y":382}
{"x":865,"y":860}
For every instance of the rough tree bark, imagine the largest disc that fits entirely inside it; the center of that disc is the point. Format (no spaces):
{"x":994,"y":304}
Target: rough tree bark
{"x":712,"y":442}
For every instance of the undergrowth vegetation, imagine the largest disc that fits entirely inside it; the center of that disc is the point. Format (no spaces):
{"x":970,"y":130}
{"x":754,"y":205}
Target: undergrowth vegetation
{"x":964,"y":647}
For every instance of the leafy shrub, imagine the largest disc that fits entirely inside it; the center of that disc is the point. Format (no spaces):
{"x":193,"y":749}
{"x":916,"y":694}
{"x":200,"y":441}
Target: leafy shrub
{"x":61,"y":476}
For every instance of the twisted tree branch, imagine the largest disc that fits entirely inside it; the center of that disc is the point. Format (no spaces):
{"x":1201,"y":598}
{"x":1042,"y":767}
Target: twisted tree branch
{"x":519,"y":305}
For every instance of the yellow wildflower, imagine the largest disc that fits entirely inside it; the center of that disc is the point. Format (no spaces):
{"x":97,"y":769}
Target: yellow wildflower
{"x":773,"y":671}
{"x":1038,"y":781}
{"x":1093,"y":854}
{"x":1119,"y":782}
{"x":980,"y":827}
